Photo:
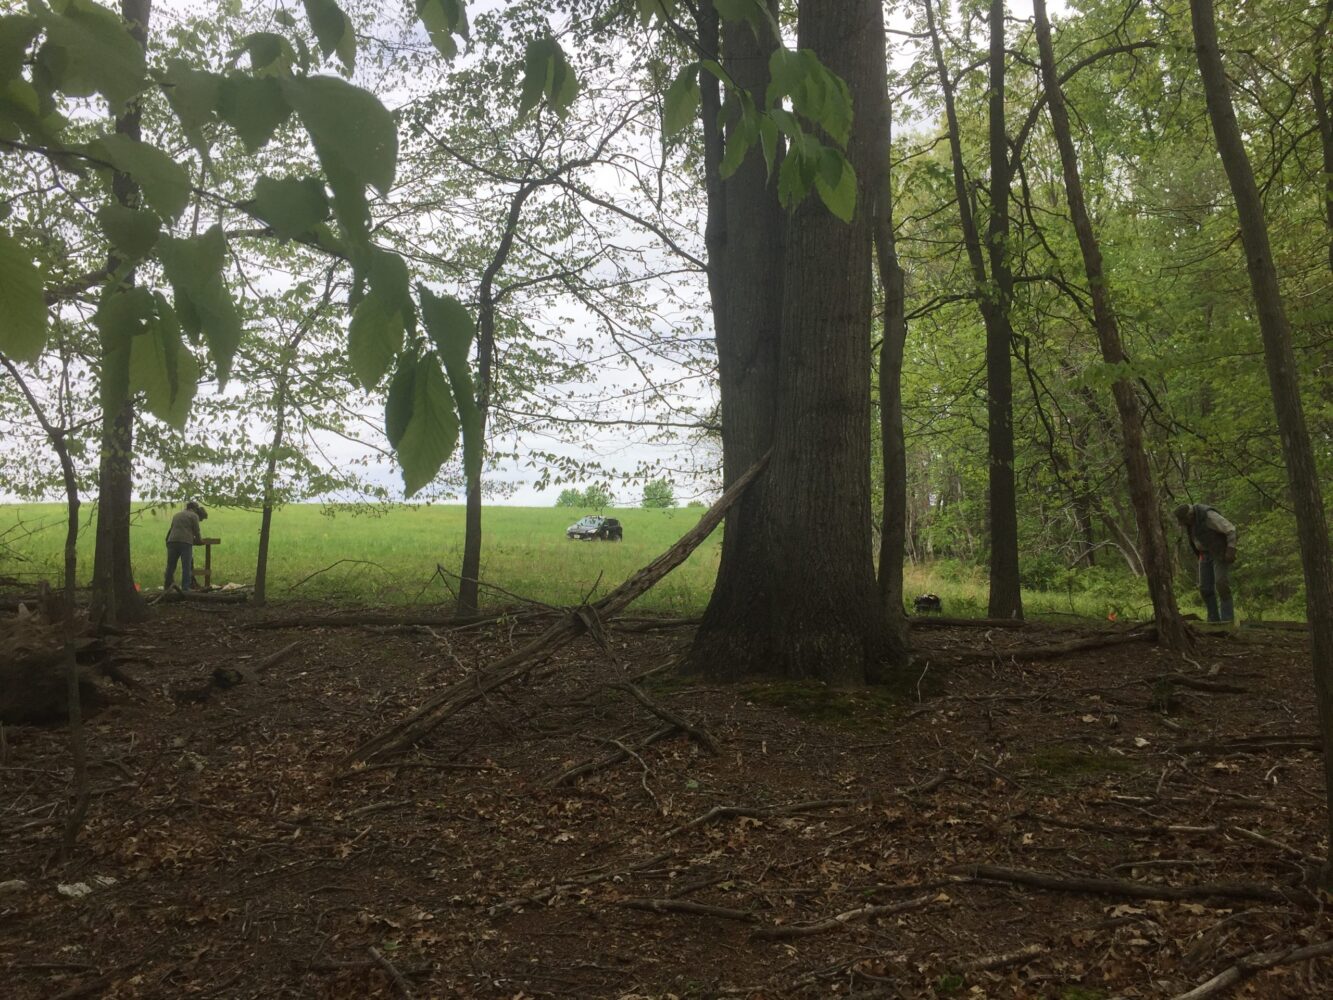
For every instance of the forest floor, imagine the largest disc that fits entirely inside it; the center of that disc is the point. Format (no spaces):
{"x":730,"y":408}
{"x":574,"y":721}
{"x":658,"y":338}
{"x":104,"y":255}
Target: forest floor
{"x":1114,"y":822}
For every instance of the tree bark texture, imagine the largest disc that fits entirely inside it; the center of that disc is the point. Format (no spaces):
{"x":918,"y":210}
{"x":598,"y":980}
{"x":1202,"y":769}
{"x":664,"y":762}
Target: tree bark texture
{"x":114,"y":598}
{"x":1319,"y":96}
{"x":1171,"y":630}
{"x":745,"y":240}
{"x":1297,"y":451}
{"x":1006,"y":600}
{"x":893,"y":444}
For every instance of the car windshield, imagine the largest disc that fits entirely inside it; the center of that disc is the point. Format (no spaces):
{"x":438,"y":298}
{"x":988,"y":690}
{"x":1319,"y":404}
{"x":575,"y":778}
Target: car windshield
{"x":589,"y":522}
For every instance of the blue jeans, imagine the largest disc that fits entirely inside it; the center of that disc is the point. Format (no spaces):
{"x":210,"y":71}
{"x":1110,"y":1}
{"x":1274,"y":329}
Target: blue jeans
{"x":1215,"y":586}
{"x":183,"y":551}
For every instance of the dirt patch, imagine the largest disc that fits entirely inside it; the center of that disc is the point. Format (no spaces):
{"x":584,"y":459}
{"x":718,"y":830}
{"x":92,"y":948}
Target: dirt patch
{"x":249,"y":861}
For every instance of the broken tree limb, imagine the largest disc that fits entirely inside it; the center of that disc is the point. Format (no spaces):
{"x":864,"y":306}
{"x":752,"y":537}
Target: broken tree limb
{"x":1199,"y":684}
{"x":1252,"y":964}
{"x":688,"y":907}
{"x":273,"y":659}
{"x":592,"y":766}
{"x":392,"y":971}
{"x":1004,"y":959}
{"x":374,"y":620}
{"x":1051,"y":650}
{"x":1133,"y":890}
{"x":696,"y":733}
{"x":523,"y":661}
{"x":841,"y":920}
{"x":761,"y":812}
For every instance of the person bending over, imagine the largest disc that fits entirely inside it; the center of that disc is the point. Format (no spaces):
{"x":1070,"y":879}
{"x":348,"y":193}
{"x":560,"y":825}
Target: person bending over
{"x":1213,"y":539}
{"x":181,"y":539}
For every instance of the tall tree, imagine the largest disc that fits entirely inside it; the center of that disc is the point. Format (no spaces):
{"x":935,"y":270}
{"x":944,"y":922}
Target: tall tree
{"x":115,"y":598}
{"x":1171,"y":630}
{"x":1297,"y":450}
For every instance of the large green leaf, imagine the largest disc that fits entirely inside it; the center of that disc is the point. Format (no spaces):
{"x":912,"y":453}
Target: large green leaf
{"x":333,"y":30}
{"x":546,"y":73}
{"x":194,"y":95}
{"x":292,"y":206}
{"x":270,"y":54}
{"x":165,"y":184}
{"x":451,"y":330}
{"x":21,"y":114}
{"x":836,"y":184}
{"x":121,"y":316}
{"x":22,"y":303}
{"x":682,"y":101}
{"x":162,"y":367}
{"x":375,"y":334}
{"x":254,"y":106}
{"x":16,"y":34}
{"x":442,"y":20}
{"x":133,"y":233}
{"x":352,"y":131}
{"x":194,"y":268}
{"x":432,"y":429}
{"x":398,"y":402}
{"x":88,"y":50}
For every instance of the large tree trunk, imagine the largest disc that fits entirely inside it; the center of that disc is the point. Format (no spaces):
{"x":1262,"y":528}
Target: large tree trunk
{"x":115,"y":599}
{"x":810,"y":607}
{"x":1302,"y":472}
{"x":745,"y":238}
{"x":1171,"y":630}
{"x":893,"y":444}
{"x":1322,"y":118}
{"x":1006,"y":600}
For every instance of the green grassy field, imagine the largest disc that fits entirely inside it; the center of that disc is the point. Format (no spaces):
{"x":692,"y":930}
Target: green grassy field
{"x":390,"y":558}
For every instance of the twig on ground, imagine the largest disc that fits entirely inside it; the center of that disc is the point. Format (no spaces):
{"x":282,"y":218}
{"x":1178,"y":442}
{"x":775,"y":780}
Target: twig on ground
{"x":759,"y":812}
{"x":273,"y":659}
{"x":591,"y":766}
{"x":551,"y":891}
{"x":392,"y":970}
{"x":841,"y":920}
{"x":687,"y":906}
{"x":1003,"y":959}
{"x":696,"y":733}
{"x":1253,"y":964}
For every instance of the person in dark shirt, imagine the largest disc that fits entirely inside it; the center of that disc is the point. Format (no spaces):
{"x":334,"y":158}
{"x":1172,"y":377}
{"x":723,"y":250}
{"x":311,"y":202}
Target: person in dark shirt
{"x":181,"y":539}
{"x":1213,"y":539}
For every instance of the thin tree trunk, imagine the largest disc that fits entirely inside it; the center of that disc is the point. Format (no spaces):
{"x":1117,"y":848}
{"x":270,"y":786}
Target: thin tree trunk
{"x":893,"y":445}
{"x":270,"y":475}
{"x":1302,"y":472}
{"x":1006,"y":600}
{"x":1171,"y":630}
{"x":1320,"y":97}
{"x":115,"y":598}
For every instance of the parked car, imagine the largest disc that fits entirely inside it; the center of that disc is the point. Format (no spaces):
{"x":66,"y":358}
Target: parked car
{"x":594,"y":527}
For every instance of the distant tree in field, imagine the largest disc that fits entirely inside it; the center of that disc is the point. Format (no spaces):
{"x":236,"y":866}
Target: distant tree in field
{"x":597,"y":497}
{"x":695,"y":503}
{"x":659,"y":493}
{"x":570,"y":498}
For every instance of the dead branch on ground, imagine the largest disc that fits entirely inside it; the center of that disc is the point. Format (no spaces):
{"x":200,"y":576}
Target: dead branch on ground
{"x":696,"y":733}
{"x":577,"y":882}
{"x":1253,"y":964}
{"x":784,"y":931}
{"x":688,"y":907}
{"x":524,"y":660}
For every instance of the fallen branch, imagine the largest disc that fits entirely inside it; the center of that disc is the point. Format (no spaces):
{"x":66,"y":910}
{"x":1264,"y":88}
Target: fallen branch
{"x":1199,"y":684}
{"x":335,"y":563}
{"x":784,"y":931}
{"x":551,"y":891}
{"x":591,"y":766}
{"x":523,"y":661}
{"x":937,"y":621}
{"x":1052,"y":650}
{"x":1256,"y":744}
{"x":392,"y":970}
{"x":374,"y":620}
{"x":273,"y":659}
{"x":688,"y":906}
{"x":1130,"y":889}
{"x":1252,"y":964}
{"x":760,"y":812}
{"x":1004,"y":959}
{"x":696,"y":733}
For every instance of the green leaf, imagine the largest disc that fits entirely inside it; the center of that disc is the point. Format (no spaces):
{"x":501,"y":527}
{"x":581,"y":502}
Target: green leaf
{"x":165,"y":184}
{"x":398,"y":402}
{"x":682,"y":101}
{"x":194,"y":96}
{"x":431,"y":433}
{"x":739,"y":10}
{"x":350,"y":128}
{"x":836,"y":183}
{"x":451,"y":330}
{"x":88,"y":50}
{"x":162,"y":368}
{"x":194,"y":268}
{"x":16,"y":33}
{"x":120,"y":317}
{"x":333,"y":30}
{"x":132,"y":232}
{"x":649,"y":9}
{"x":442,"y":20}
{"x":254,"y":106}
{"x":740,"y":140}
{"x":22,"y":302}
{"x":20,"y":114}
{"x":375,"y":334}
{"x":270,"y":54}
{"x":292,"y":206}
{"x":546,"y":73}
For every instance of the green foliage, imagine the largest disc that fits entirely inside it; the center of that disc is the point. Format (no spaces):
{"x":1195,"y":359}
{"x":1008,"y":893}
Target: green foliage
{"x":162,"y":367}
{"x":88,"y":51}
{"x":430,"y":429}
{"x":332,"y":30}
{"x":293,"y":206}
{"x":547,"y":75}
{"x":593,"y":498}
{"x":451,"y":330}
{"x":22,"y":304}
{"x":443,"y":19}
{"x":165,"y":184}
{"x":132,"y":232}
{"x":375,"y":334}
{"x":659,"y":493}
{"x":194,"y":268}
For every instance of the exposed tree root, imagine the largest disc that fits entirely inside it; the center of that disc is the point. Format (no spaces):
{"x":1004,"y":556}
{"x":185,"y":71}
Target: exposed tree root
{"x":688,"y":907}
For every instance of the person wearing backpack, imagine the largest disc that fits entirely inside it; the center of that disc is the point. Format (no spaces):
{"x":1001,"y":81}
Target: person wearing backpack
{"x":181,"y":539}
{"x":1213,"y":539}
